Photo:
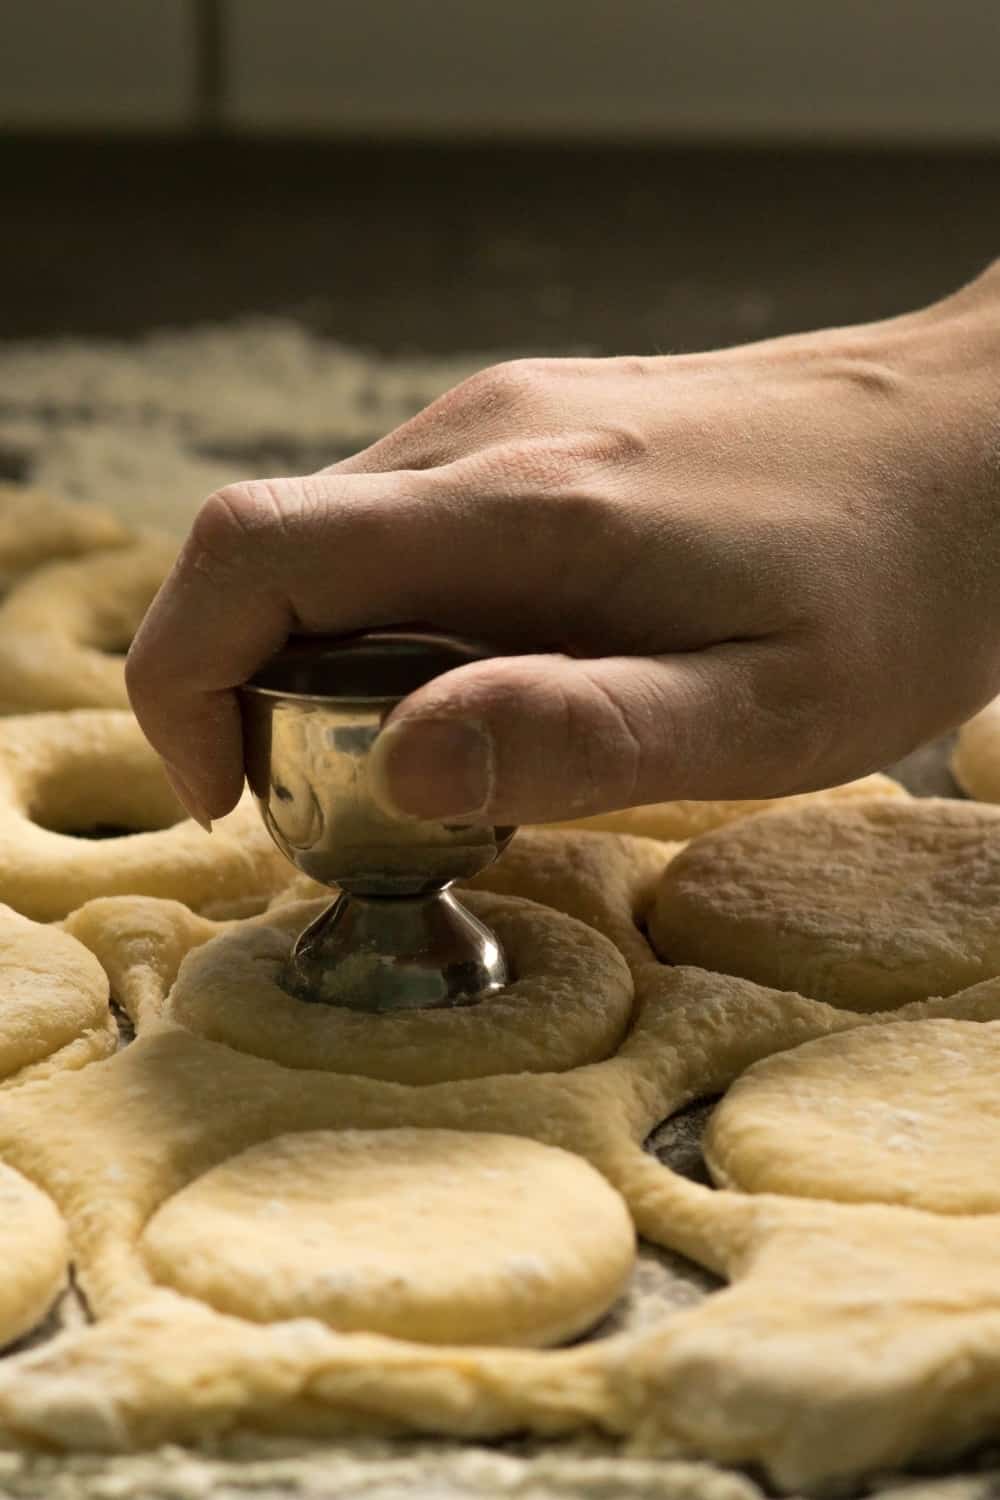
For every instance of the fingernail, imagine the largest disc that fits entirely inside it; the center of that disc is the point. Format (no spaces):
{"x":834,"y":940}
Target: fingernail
{"x":192,"y":804}
{"x":432,"y":768}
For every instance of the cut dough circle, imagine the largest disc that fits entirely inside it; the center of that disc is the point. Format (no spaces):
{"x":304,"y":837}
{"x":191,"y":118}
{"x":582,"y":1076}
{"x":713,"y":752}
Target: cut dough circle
{"x":36,"y":527}
{"x":569,"y":1004}
{"x":64,"y":630}
{"x":678,"y":821}
{"x":34,"y":1254}
{"x":434,"y":1235}
{"x":62,"y":774}
{"x":53,"y":998}
{"x":867,"y":906}
{"x":975,"y":760}
{"x":905,"y":1114}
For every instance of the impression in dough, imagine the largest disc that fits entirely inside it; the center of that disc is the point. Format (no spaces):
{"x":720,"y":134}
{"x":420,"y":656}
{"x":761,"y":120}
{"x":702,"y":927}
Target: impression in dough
{"x":85,"y":811}
{"x":65,"y":629}
{"x":678,"y":821}
{"x":569,"y":1003}
{"x":441,"y":1236}
{"x":867,"y":905}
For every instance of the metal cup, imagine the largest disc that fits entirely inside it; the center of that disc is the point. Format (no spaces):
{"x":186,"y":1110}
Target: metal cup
{"x":395,"y":938}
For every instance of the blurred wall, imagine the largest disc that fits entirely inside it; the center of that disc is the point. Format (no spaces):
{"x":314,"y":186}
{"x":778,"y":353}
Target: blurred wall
{"x":762,"y":70}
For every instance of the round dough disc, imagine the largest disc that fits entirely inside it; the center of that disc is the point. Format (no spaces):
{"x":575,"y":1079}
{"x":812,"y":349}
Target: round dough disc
{"x":34,"y":1254}
{"x":434,"y":1235}
{"x":866,"y":905}
{"x":569,"y":1004}
{"x":53,"y":994}
{"x":906,"y":1113}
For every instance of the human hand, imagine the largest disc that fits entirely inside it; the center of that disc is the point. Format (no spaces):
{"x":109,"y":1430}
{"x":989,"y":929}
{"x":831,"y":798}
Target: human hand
{"x":736,"y":574}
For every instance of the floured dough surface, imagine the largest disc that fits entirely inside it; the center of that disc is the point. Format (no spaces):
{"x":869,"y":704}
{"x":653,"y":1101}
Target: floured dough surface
{"x":889,"y":1114}
{"x":679,"y":821}
{"x":570,"y":1003}
{"x":852,"y":1336}
{"x":54,"y":1006}
{"x":34,"y":1254}
{"x":398,"y":1232}
{"x":867,"y":905}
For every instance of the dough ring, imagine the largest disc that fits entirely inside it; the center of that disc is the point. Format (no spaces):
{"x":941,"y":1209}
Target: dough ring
{"x":569,"y":1003}
{"x":442,"y":1236}
{"x":65,"y":629}
{"x":867,"y":905}
{"x":888,"y":1114}
{"x":36,"y":527}
{"x":91,"y":771}
{"x":54,"y":1008}
{"x":34,"y":1253}
{"x":975,"y":761}
{"x":677,"y":821}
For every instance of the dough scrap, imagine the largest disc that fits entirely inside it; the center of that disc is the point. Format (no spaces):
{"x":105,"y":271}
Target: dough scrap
{"x":34,"y":1254}
{"x":53,"y":1003}
{"x":397,"y":1232}
{"x":884,"y":1115}
{"x":570,"y":1003}
{"x":867,"y":905}
{"x":975,"y":760}
{"x":36,"y":527}
{"x":89,"y":768}
{"x":64,"y":629}
{"x":680,"y":821}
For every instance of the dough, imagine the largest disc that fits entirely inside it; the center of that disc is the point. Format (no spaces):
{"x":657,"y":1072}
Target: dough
{"x":63,"y":775}
{"x":569,"y":1004}
{"x":852,"y":1337}
{"x":868,"y":905}
{"x":397,"y":1232}
{"x":606,"y":880}
{"x":36,"y":527}
{"x":675,"y":821}
{"x":888,"y":1115}
{"x":54,"y":1009}
{"x":33,"y":1254}
{"x":65,"y":629}
{"x":975,"y":760}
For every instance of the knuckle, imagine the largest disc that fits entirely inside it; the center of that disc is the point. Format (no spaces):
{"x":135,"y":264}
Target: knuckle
{"x":232,"y":524}
{"x":514,"y":382}
{"x":613,"y":445}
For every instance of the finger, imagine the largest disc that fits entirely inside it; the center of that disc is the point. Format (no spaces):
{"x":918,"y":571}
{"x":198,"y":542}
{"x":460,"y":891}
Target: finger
{"x":327,"y":554}
{"x":537,"y":738}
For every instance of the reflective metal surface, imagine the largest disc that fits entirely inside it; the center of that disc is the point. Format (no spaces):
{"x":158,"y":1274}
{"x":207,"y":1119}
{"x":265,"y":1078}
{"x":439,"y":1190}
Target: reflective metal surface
{"x":394,"y":939}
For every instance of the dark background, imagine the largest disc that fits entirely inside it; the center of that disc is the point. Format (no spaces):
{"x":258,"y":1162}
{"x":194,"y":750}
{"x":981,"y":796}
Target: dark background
{"x":436,"y":248}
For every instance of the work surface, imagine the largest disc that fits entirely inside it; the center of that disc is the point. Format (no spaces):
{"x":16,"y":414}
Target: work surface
{"x":429,"y":253}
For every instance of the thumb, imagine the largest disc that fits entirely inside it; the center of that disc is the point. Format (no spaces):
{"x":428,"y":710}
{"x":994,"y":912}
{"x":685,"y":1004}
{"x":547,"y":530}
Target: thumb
{"x":530,"y":739}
